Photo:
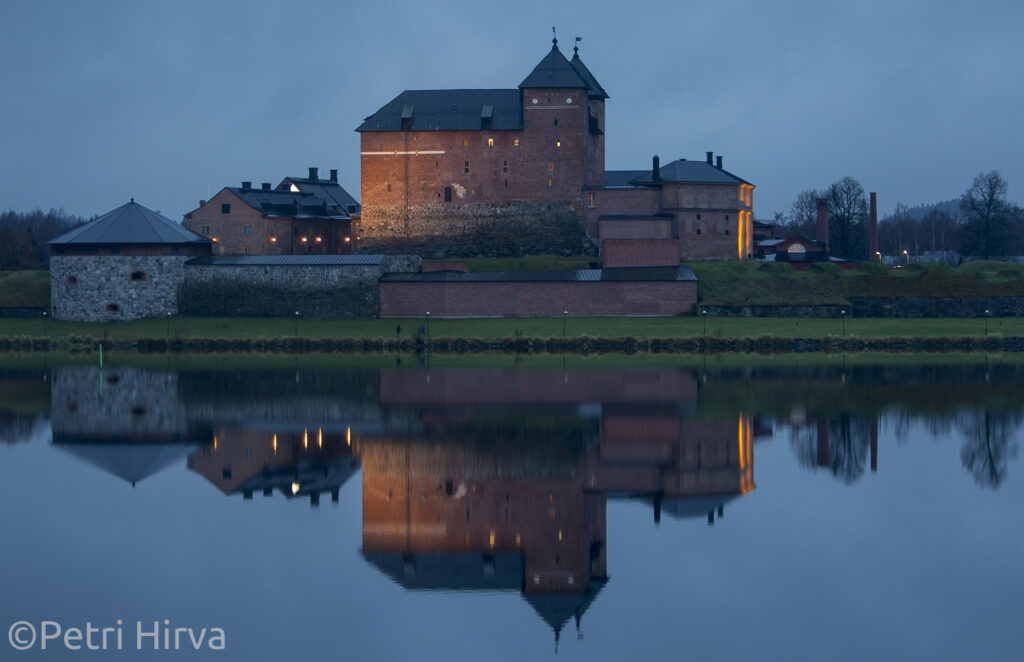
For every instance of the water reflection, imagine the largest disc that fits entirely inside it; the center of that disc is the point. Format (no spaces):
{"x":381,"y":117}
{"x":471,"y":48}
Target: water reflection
{"x":502,"y":480}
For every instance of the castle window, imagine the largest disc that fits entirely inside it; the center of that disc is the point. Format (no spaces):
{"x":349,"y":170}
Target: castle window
{"x":388,"y":184}
{"x":225,"y":208}
{"x":556,"y":121}
{"x":139,"y":275}
{"x":447,"y":193}
{"x":698,"y":230}
{"x":206,"y":230}
{"x":727,"y":231}
{"x":551,"y":166}
{"x":504,"y":166}
{"x":247,"y":229}
{"x":465,"y":142}
{"x":558,"y":143}
{"x":113,"y":308}
{"x":550,"y":182}
{"x":465,"y":167}
{"x":515,"y":143}
{"x":591,"y":200}
{"x":727,"y":217}
{"x":490,"y":142}
{"x":72,"y":280}
{"x":247,"y":250}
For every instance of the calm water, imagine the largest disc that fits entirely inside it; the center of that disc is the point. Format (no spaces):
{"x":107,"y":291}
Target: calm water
{"x":829,"y":512}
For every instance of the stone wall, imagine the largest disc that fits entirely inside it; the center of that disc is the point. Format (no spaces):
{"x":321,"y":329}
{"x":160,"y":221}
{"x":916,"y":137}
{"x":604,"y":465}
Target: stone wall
{"x":469,"y":230}
{"x":280,"y":291}
{"x":101,"y":288}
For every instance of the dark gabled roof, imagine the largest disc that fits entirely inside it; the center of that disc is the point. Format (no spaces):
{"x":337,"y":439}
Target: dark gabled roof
{"x":594,"y":89}
{"x":130,"y":223}
{"x":451,"y":571}
{"x":622,"y":178}
{"x":287,"y":203}
{"x":554,"y":71}
{"x":698,"y":172}
{"x":129,"y":462}
{"x":287,"y":260}
{"x":450,"y":110}
{"x":326,"y":189}
{"x":634,"y":274}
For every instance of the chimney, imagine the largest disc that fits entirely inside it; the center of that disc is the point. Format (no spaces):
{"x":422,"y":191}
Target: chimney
{"x":718,"y":162}
{"x":821,"y":227}
{"x":334,"y":174}
{"x":246,"y":186}
{"x":656,"y":168}
{"x":265,"y":186}
{"x":312,"y":174}
{"x":710,"y":156}
{"x":873,"y":227}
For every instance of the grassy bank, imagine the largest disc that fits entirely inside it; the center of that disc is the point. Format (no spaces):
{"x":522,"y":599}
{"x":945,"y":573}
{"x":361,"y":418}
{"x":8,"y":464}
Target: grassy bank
{"x":528,"y":327}
{"x":25,"y":289}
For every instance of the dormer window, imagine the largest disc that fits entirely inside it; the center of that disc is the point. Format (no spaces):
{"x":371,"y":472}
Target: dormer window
{"x":293,"y":188}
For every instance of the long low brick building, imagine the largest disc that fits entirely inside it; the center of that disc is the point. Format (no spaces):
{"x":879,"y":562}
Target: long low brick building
{"x":623,"y":291}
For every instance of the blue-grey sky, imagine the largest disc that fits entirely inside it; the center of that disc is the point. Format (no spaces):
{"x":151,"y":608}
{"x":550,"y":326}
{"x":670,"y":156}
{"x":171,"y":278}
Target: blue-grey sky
{"x":169,"y":102}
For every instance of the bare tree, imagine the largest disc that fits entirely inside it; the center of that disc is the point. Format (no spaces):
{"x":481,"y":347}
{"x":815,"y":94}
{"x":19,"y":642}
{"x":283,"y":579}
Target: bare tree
{"x":803,"y":213}
{"x":985,"y":206}
{"x":848,"y":213}
{"x":989,"y":445}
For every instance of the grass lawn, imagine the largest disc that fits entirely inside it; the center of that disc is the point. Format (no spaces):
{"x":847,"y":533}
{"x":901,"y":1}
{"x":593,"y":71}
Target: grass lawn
{"x":537,"y":327}
{"x":24,"y":289}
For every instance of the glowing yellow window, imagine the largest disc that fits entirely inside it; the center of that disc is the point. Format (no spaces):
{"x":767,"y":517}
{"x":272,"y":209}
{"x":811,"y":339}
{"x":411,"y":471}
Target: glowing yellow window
{"x":515,"y":143}
{"x":490,"y":142}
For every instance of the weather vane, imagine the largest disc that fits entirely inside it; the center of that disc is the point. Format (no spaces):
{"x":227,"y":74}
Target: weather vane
{"x":554,"y":36}
{"x":576,"y":48}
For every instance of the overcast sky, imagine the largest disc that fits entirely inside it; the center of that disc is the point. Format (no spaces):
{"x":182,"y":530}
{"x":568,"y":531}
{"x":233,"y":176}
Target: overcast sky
{"x":169,"y":102}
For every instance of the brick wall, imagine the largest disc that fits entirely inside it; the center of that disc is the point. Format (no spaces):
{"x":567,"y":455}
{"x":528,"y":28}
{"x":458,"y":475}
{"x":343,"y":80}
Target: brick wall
{"x":510,"y":299}
{"x":639,"y":252}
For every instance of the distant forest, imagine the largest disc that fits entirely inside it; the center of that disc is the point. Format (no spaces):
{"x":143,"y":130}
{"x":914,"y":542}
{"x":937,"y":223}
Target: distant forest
{"x":982,"y":222}
{"x":24,"y":236}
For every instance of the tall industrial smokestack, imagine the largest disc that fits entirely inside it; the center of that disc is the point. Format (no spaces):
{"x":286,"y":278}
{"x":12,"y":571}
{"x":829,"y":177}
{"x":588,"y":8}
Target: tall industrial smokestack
{"x":821,"y":226}
{"x":873,"y":227}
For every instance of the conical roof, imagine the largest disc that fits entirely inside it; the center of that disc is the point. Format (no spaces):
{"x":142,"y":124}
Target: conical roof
{"x":129,"y":462}
{"x":130,"y":223}
{"x":554,"y":71}
{"x":557,"y":609}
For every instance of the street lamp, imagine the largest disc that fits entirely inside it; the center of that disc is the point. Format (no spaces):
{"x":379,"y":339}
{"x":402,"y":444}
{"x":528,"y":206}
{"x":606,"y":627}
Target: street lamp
{"x":987,"y":313}
{"x":428,"y":324}
{"x":843,"y":314}
{"x":704,"y":314}
{"x":296,"y":324}
{"x":565,"y":315}
{"x":879,"y":254}
{"x":168,"y":324}
{"x":906,"y":255}
{"x":44,"y":323}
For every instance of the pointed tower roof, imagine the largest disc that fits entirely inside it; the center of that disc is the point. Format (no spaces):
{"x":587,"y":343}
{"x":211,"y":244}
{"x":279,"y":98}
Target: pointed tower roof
{"x":594,"y":89}
{"x":557,"y":609}
{"x":130,"y":223}
{"x":554,"y":71}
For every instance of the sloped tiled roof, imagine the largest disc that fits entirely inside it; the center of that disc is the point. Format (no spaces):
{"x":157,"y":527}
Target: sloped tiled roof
{"x":130,"y":223}
{"x":449,"y":110}
{"x":286,"y":260}
{"x":700,"y":172}
{"x":287,"y":203}
{"x":326,"y":189}
{"x":554,"y":71}
{"x":632,"y":274}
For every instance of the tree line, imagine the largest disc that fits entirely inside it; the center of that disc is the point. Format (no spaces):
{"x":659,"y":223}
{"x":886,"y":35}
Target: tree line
{"x":25,"y":235}
{"x":982,"y":223}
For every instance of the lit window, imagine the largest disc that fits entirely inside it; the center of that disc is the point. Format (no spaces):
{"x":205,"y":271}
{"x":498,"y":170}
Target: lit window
{"x":273,"y":240}
{"x":304,"y":239}
{"x":318,"y":240}
{"x":465,"y":142}
{"x":515,"y":143}
{"x":549,"y":182}
{"x":591,"y":200}
{"x":293,"y":188}
{"x":490,"y":142}
{"x":551,"y":166}
{"x":214,"y":239}
{"x":348,"y":239}
{"x":558,"y":143}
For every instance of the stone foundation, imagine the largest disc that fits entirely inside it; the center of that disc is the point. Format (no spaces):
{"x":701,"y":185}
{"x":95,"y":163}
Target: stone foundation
{"x":102,"y":288}
{"x":469,"y":230}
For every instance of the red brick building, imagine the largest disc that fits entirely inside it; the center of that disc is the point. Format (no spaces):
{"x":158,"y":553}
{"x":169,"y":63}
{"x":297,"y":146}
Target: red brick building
{"x":472,"y":167}
{"x":301,"y":215}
